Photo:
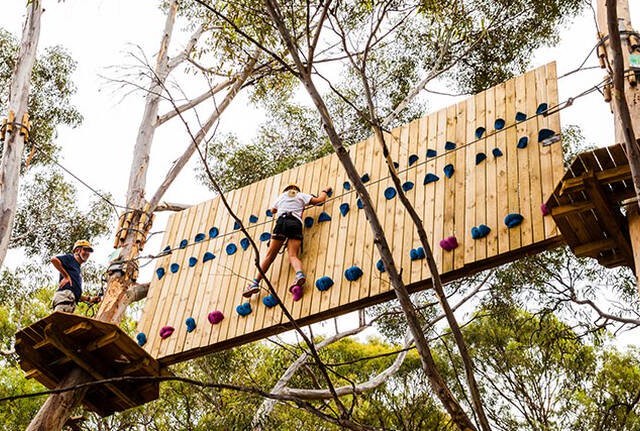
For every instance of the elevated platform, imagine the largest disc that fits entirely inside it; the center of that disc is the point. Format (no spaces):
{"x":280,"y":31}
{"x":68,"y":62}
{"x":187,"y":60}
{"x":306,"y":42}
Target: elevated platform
{"x":50,"y":348}
{"x":587,"y":203}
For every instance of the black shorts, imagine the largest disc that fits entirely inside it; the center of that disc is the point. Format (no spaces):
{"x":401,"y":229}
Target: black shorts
{"x":287,"y":226}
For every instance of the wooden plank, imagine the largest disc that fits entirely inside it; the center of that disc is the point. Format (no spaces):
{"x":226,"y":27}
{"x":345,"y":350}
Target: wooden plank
{"x":592,"y":249}
{"x":430,"y":189}
{"x":513,"y":105}
{"x":440,"y":187}
{"x":471,"y":178}
{"x":620,"y":173}
{"x":414,"y":195}
{"x":501,"y":181}
{"x":526,"y":88}
{"x":493,"y":218}
{"x":480,"y":172}
{"x":459,"y":229}
{"x":536,"y":152}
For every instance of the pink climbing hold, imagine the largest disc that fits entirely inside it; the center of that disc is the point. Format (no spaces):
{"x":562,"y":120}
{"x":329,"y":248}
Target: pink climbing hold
{"x":545,"y":209}
{"x":297,"y":292}
{"x":166,"y":331}
{"x":449,"y":243}
{"x":215,"y":317}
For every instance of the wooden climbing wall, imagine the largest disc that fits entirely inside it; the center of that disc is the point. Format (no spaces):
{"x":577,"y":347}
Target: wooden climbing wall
{"x":513,"y":179}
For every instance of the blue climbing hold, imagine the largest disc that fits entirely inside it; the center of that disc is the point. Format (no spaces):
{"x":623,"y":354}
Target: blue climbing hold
{"x":230,"y":249}
{"x":160,"y":273}
{"x":243,"y":309}
{"x":542,"y":108}
{"x":449,"y":145}
{"x":521,"y":116}
{"x":431,"y":153}
{"x":481,"y":231}
{"x":142,"y":339}
{"x":324,"y":283}
{"x":346,"y":185}
{"x":380,"y":265}
{"x":253,"y":218}
{"x":353,"y":273}
{"x":412,"y":159}
{"x":344,"y":209}
{"x":208,"y":256}
{"x":499,"y":124}
{"x":448,"y":170}
{"x":330,"y":193}
{"x":364,"y":178}
{"x":407,"y":186}
{"x":324,"y":217}
{"x":396,"y":165}
{"x":270,"y":301}
{"x":191,"y":324}
{"x":183,"y":243}
{"x":192,"y":261}
{"x":479,"y":132}
{"x":417,"y":253}
{"x":480,"y":157}
{"x":265,"y":236}
{"x":430,"y":178}
{"x":390,"y":193}
{"x":269,"y":213}
{"x":545,"y":134}
{"x":236,"y":225}
{"x":308,"y":221}
{"x":244,"y":243}
{"x":213,"y":232}
{"x":166,"y":250}
{"x":522,"y":142}
{"x":359,"y":204}
{"x":497,"y":152}
{"x":513,"y":220}
{"x":199,"y":237}
{"x":174,"y":267}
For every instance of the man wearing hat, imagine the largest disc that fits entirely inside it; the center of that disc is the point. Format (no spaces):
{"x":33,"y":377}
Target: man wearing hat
{"x":69,"y":291}
{"x":289,"y":207}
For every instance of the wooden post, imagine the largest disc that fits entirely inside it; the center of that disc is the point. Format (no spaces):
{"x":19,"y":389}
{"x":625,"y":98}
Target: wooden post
{"x":614,"y":22}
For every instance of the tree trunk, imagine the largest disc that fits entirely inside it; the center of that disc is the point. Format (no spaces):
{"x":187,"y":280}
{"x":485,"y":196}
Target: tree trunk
{"x":13,"y":139}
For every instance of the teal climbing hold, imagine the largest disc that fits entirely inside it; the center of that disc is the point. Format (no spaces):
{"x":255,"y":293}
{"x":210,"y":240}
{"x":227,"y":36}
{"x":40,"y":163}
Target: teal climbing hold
{"x":231,"y":248}
{"x":253,"y":218}
{"x":430,"y":178}
{"x":244,"y":243}
{"x":192,"y":261}
{"x":236,"y":225}
{"x":513,"y":220}
{"x":407,"y":186}
{"x":270,"y":301}
{"x":499,"y":124}
{"x":308,"y":222}
{"x":243,"y":309}
{"x":213,"y":232}
{"x":449,"y":145}
{"x":346,"y":185}
{"x":183,"y":243}
{"x":365,"y":178}
{"x":199,"y":237}
{"x":544,"y":134}
{"x":431,"y":153}
{"x":542,"y":108}
{"x":208,"y":256}
{"x":521,"y":116}
{"x":142,"y":339}
{"x":324,"y":283}
{"x":479,"y":132}
{"x":522,"y":142}
{"x":344,"y":209}
{"x":448,"y":170}
{"x":160,"y":273}
{"x":412,"y":159}
{"x":396,"y":165}
{"x":166,"y":250}
{"x":497,"y":152}
{"x":174,"y":267}
{"x":359,"y":204}
{"x":269,"y":213}
{"x":390,"y":193}
{"x":265,"y":236}
{"x":480,"y":157}
{"x":324,"y":216}
{"x":380,"y":265}
{"x":353,"y":273}
{"x":417,"y":253}
{"x":191,"y":324}
{"x":481,"y":231}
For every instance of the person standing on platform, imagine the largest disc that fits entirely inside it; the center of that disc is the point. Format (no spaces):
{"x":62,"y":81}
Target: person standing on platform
{"x":69,"y":291}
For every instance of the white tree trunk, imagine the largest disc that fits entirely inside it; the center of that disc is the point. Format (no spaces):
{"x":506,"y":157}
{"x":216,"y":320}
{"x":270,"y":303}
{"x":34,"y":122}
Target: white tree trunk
{"x":14,"y":140}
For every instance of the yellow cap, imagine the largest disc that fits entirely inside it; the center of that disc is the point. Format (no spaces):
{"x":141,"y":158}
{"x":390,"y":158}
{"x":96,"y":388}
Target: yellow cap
{"x":82,"y":243}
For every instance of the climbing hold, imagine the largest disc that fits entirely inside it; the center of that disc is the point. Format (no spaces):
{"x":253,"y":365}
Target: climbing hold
{"x":522,"y":142}
{"x":513,"y":220}
{"x":544,"y":209}
{"x":166,"y":331}
{"x":521,"y":116}
{"x":346,"y":185}
{"x":324,"y":216}
{"x":244,"y":243}
{"x":344,"y":209}
{"x":449,"y":145}
{"x":215,"y":317}
{"x":265,"y":236}
{"x":236,"y":225}
{"x":308,"y":221}
{"x":208,"y":256}
{"x":330,"y":192}
{"x":497,"y":152}
{"x":430,"y":178}
{"x":174,"y":267}
{"x":480,"y":157}
{"x":449,"y":243}
{"x":542,"y":108}
{"x":213,"y":232}
{"x":199,"y":237}
{"x":390,"y":193}
{"x":160,"y":273}
{"x":324,"y":283}
{"x":142,"y":339}
{"x":380,"y":265}
{"x":243,"y":309}
{"x":499,"y":124}
{"x":296,"y":292}
{"x":407,"y":186}
{"x":412,"y":159}
{"x":364,"y":178}
{"x":545,"y":134}
{"x":359,"y":204}
{"x":191,"y":324}
{"x":396,"y":165}
{"x":166,"y":250}
{"x":417,"y":253}
{"x":479,"y":132}
{"x":231,"y":248}
{"x":431,"y":153}
{"x":448,"y":170}
{"x":192,"y":261}
{"x":253,"y":218}
{"x":268,"y":213}
{"x":353,"y":273}
{"x":183,"y":243}
{"x":481,"y":231}
{"x":270,"y":301}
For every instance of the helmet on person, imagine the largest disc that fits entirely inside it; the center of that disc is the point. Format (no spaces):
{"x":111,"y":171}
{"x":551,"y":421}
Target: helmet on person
{"x":82,"y":243}
{"x":291,"y":187}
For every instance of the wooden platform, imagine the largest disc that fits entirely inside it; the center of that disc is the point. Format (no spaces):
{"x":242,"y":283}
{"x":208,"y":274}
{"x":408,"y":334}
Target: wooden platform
{"x":50,"y":348}
{"x":586,"y":206}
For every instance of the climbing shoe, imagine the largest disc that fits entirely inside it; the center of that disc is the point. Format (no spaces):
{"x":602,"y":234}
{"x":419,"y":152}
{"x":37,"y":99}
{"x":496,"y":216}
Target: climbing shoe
{"x":251,"y":289}
{"x":299,"y":281}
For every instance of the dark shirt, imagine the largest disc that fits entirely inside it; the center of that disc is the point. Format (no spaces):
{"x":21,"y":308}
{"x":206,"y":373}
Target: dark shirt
{"x":71,"y":265}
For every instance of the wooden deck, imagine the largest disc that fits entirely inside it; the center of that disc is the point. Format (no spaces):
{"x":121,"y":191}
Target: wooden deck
{"x":50,"y":348}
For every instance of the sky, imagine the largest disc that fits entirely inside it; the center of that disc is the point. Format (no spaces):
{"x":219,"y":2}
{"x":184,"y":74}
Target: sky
{"x":100,"y":33}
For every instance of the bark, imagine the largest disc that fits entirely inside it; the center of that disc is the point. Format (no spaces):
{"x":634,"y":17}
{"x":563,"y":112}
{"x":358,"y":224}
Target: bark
{"x":14,"y":140}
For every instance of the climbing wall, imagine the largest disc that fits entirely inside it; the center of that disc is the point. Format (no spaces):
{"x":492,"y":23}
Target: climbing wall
{"x":477,"y":172}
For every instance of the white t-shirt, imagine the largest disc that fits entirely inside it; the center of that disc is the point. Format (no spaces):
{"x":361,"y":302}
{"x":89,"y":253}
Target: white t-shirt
{"x":286,"y":203}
